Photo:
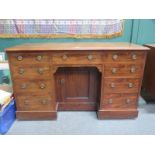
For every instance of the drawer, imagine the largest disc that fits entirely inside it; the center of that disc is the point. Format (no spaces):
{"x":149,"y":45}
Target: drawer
{"x":119,"y":101}
{"x":64,"y":58}
{"x":119,"y":85}
{"x":124,"y":56}
{"x":39,"y":87}
{"x":35,"y":103}
{"x":114,"y":70}
{"x":28,"y":58}
{"x":31,"y":72}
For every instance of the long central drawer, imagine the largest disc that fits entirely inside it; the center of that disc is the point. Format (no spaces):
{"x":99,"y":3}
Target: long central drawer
{"x":69,"y":58}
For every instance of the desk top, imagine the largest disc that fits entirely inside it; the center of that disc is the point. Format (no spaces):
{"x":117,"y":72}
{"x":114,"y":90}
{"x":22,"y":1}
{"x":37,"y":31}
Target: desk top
{"x":150,"y":45}
{"x":76,"y":46}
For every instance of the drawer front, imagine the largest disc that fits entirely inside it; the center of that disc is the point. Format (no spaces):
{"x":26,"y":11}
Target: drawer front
{"x":124,"y":56}
{"x":119,"y":85}
{"x":35,"y":103}
{"x":114,"y":70}
{"x":76,"y":58}
{"x":32,"y":87}
{"x":31,"y":72}
{"x":119,"y":101}
{"x":28,"y":58}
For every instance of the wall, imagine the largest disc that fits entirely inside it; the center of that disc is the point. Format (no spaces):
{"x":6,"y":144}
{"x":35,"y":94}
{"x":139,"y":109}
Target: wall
{"x":4,"y":43}
{"x":146,"y":31}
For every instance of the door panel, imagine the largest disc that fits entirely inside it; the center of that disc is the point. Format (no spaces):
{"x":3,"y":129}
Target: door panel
{"x":76,"y":85}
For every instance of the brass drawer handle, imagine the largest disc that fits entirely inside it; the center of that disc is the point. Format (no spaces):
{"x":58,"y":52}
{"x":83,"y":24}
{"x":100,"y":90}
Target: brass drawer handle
{"x":112,"y":85}
{"x":64,"y":57}
{"x":115,"y":56}
{"x":19,"y":58}
{"x":40,"y":70}
{"x":133,"y":69}
{"x":114,"y":70}
{"x":44,"y":101}
{"x":134,"y":56}
{"x":90,"y":57}
{"x":26,"y":102}
{"x":130,"y":85}
{"x":39,"y":57}
{"x":23,"y":86}
{"x":128,"y":101}
{"x":110,"y":101}
{"x":42,"y":85}
{"x":21,"y":71}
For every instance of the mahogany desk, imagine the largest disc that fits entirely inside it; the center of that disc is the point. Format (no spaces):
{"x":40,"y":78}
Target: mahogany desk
{"x":102,"y":77}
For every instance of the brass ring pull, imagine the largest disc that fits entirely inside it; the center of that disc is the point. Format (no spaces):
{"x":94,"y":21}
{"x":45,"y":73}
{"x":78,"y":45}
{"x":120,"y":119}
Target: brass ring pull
{"x":112,"y":85}
{"x":115,"y":56}
{"x":19,"y":58}
{"x":23,"y":86}
{"x":44,"y":101}
{"x":39,"y":57}
{"x":130,"y":85}
{"x":26,"y":102}
{"x":110,"y":101}
{"x":40,"y":70}
{"x":128,"y":101}
{"x":133,"y":70}
{"x":21,"y":71}
{"x":114,"y":70}
{"x":90,"y":57}
{"x":42,"y":85}
{"x":134,"y":56}
{"x":64,"y":57}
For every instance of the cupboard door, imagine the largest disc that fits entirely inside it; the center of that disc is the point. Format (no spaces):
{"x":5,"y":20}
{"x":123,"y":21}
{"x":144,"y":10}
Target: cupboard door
{"x":78,"y":85}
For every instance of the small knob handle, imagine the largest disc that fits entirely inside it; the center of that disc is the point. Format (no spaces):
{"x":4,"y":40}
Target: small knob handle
{"x":39,"y":57}
{"x":110,"y":101}
{"x":42,"y":85}
{"x":134,"y":56}
{"x":19,"y":58}
{"x":40,"y":70}
{"x":64,"y":57}
{"x":114,"y":70}
{"x":130,"y":85}
{"x":26,"y":102}
{"x":21,"y":71}
{"x":90,"y":57}
{"x":115,"y":56}
{"x":44,"y":101}
{"x":132,"y":69}
{"x":112,"y":85}
{"x":128,"y":101}
{"x":62,"y":81}
{"x":23,"y":86}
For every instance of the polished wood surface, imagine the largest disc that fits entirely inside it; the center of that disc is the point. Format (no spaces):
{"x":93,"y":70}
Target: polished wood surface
{"x":78,"y":85}
{"x":51,"y":77}
{"x":75,"y":46}
{"x":149,"y":75}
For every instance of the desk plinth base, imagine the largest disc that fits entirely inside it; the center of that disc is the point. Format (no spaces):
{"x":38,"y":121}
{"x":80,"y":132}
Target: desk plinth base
{"x":33,"y":115}
{"x":119,"y":114}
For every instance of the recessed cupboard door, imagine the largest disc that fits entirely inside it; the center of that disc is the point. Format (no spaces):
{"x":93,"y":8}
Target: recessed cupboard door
{"x":78,"y":85}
